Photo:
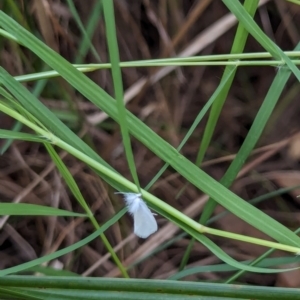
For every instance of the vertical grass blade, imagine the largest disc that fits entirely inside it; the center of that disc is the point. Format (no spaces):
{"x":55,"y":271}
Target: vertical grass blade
{"x":111,"y":36}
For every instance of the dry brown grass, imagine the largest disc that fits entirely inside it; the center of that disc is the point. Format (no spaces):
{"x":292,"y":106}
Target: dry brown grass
{"x":168,"y":102}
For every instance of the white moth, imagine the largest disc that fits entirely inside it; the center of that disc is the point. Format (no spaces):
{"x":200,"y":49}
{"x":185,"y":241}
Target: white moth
{"x":143,"y":219}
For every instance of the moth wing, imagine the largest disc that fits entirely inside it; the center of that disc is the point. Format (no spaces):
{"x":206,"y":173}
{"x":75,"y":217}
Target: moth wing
{"x":144,"y":221}
{"x":132,"y":201}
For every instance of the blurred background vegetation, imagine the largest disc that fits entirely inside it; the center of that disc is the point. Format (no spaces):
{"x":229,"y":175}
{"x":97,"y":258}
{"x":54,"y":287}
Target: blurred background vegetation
{"x":168,"y":101}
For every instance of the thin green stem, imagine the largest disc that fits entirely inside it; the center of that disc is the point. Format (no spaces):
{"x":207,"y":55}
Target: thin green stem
{"x":251,"y":240}
{"x":94,"y":67}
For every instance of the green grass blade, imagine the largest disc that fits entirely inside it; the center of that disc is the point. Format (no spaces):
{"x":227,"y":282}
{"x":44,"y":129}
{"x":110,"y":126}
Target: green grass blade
{"x":15,"y":129}
{"x":111,"y":36}
{"x":242,"y":15}
{"x":253,"y":135}
{"x":40,"y":112}
{"x":77,"y":194}
{"x":15,"y":293}
{"x":253,"y":201}
{"x":256,"y":261}
{"x":15,"y":135}
{"x":49,"y":271}
{"x":86,"y":42}
{"x":63,"y":251}
{"x":261,"y":119}
{"x":120,"y":288}
{"x":218,"y":251}
{"x":68,"y":178}
{"x":37,"y":90}
{"x":270,"y":262}
{"x":237,"y":47}
{"x":27,"y":209}
{"x":198,"y":119}
{"x":73,"y":294}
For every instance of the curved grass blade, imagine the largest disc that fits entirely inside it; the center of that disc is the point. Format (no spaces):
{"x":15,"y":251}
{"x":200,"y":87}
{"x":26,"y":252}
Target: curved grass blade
{"x":270,"y":262}
{"x":254,"y":262}
{"x":64,"y":251}
{"x":203,"y":239}
{"x":77,"y":194}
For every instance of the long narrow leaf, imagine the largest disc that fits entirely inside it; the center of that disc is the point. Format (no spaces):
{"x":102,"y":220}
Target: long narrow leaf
{"x":14,"y":135}
{"x":111,"y":36}
{"x":27,"y":209}
{"x":120,"y":288}
{"x":63,"y":251}
{"x":242,"y":15}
